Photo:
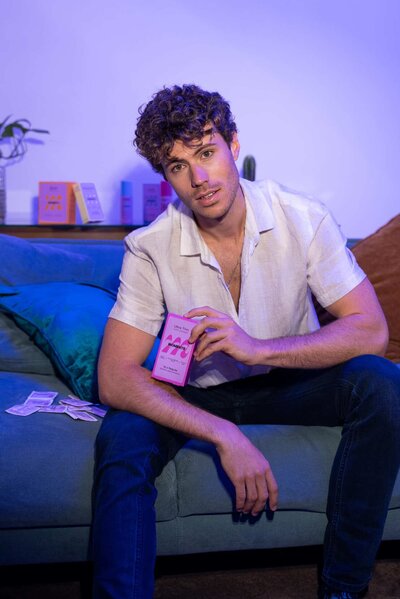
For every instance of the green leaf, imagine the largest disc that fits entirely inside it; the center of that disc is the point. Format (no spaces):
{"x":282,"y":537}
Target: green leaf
{"x":8,"y":131}
{"x":5,"y":120}
{"x":13,"y":135}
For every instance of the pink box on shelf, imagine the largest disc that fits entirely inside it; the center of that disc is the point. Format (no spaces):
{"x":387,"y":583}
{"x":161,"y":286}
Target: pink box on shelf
{"x":175,"y":353}
{"x":56,"y":203}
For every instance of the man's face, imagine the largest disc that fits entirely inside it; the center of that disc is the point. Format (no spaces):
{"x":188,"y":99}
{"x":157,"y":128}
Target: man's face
{"x":204,"y":175}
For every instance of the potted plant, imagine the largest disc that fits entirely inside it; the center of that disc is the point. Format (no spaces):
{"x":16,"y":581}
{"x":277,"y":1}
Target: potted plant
{"x":13,"y":145}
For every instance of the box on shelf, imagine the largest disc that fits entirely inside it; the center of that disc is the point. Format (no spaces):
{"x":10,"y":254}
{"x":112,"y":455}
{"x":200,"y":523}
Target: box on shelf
{"x":88,"y":203}
{"x":151,"y":202}
{"x":56,"y":204}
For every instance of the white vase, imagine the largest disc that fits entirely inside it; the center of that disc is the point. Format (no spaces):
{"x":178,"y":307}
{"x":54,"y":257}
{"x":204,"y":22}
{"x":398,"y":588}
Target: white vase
{"x":2,"y":195}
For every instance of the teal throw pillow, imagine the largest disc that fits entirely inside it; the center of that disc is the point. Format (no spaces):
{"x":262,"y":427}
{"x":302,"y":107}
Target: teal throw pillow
{"x":66,"y":320}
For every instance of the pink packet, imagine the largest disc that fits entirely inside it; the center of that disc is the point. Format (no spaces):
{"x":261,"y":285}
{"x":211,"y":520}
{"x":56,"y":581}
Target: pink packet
{"x":97,"y":411}
{"x":23,"y":410}
{"x":175,"y":353}
{"x":80,"y":415}
{"x":75,"y":402}
{"x":56,"y":409}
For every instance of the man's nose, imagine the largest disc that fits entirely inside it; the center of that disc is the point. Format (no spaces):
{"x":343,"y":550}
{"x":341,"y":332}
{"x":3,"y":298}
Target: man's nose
{"x":198,"y":176}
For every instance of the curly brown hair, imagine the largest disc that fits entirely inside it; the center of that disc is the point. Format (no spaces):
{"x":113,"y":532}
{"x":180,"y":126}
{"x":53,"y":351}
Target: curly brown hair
{"x":180,"y":113}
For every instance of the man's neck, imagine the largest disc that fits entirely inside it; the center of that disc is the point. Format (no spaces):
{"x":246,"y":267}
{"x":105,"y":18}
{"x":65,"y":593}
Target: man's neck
{"x":230,"y":226}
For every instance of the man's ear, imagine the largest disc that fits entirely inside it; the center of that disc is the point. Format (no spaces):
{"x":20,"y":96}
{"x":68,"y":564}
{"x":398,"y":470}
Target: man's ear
{"x":235,"y":146}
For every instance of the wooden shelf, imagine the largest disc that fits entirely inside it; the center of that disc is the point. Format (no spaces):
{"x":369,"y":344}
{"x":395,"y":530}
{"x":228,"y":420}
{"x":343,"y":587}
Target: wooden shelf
{"x":68,"y":231}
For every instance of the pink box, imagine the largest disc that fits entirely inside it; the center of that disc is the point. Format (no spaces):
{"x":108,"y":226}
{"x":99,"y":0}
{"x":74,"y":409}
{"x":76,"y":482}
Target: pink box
{"x":56,"y":203}
{"x":175,"y":353}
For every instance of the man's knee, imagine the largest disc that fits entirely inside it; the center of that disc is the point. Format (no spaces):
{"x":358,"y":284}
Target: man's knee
{"x":373,"y":369}
{"x":123,"y":432}
{"x":376,"y":380}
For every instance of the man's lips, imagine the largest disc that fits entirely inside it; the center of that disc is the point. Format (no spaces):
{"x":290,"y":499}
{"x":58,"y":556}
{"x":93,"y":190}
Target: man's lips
{"x":207,"y":197}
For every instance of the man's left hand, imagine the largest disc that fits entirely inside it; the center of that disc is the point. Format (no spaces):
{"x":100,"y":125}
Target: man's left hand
{"x":219,"y":332}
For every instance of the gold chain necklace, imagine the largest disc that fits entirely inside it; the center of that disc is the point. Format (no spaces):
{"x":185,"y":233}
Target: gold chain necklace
{"x":228,"y":283}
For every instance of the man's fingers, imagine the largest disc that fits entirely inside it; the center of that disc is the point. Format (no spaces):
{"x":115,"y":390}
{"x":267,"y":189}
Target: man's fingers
{"x":240,"y":491}
{"x":273,"y":491}
{"x":214,"y":339}
{"x":253,"y":494}
{"x":203,"y":311}
{"x":250,"y":474}
{"x":203,"y":327}
{"x":262,"y":495}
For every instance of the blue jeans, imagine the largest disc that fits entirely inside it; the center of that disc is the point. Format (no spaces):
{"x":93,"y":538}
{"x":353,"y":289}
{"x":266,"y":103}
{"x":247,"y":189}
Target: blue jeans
{"x":362,"y":395}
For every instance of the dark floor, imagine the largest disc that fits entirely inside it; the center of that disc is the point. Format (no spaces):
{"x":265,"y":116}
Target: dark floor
{"x":289,"y":574}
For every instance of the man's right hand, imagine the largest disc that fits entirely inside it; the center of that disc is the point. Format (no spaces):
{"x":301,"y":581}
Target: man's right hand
{"x":125,"y":385}
{"x":249,"y":472}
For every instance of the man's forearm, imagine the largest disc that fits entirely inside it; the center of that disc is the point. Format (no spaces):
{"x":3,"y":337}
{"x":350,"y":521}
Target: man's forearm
{"x":341,"y":340}
{"x":133,"y":389}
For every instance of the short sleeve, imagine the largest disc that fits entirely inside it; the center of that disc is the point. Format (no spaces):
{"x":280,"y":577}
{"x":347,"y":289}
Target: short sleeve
{"x":332,"y":270}
{"x":140,"y":300}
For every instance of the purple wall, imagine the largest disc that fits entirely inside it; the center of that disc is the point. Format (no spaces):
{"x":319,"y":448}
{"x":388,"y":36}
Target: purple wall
{"x":314,"y":85}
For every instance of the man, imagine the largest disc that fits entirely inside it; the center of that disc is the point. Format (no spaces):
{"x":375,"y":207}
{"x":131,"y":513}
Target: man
{"x":242,"y":259}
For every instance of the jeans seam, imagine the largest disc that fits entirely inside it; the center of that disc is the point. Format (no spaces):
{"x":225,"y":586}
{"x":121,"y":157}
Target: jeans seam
{"x":338,"y":497}
{"x":137,"y":567}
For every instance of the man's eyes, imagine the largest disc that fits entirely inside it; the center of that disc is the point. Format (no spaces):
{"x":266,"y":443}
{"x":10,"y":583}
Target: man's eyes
{"x":179,"y":166}
{"x":176,"y":168}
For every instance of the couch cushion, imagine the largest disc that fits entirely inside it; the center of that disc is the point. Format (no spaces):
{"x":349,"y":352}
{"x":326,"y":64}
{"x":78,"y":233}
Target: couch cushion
{"x":301,"y":458}
{"x":379,"y":256}
{"x":66,"y":320}
{"x":18,"y":353}
{"x":46,"y":460}
{"x":23,"y":262}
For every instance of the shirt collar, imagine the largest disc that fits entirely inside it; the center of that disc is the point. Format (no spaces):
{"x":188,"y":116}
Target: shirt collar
{"x":258,"y":199}
{"x":191,"y":241}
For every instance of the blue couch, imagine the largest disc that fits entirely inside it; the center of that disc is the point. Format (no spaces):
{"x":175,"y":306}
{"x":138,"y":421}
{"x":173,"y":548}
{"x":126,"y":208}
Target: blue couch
{"x":55,"y":296}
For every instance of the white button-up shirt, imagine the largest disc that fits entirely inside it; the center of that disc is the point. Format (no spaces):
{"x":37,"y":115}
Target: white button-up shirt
{"x":292,"y":248}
